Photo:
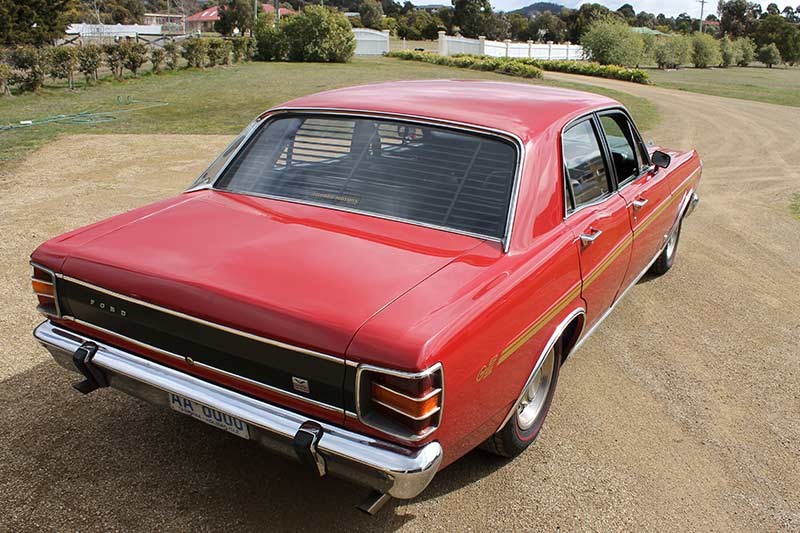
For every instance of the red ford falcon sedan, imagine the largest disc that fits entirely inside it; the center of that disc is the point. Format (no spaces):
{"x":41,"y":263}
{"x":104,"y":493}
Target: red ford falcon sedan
{"x":374,"y":280}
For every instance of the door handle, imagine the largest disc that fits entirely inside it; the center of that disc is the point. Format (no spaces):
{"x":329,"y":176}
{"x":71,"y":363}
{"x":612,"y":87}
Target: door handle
{"x":589,"y":238}
{"x":639,"y":203}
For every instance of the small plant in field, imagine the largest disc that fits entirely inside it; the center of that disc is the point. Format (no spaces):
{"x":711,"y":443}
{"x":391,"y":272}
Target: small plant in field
{"x":705,"y":51}
{"x":319,"y":34}
{"x":115,"y":59}
{"x":173,"y":54}
{"x":63,"y":62}
{"x":769,"y":55}
{"x":31,"y":64}
{"x":157,"y":56}
{"x":672,"y":52}
{"x":195,"y":51}
{"x":135,"y":55}
{"x":90,"y":57}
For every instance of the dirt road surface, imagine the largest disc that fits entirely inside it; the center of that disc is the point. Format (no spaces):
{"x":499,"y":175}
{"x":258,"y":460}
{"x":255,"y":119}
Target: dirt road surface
{"x":682,"y":412}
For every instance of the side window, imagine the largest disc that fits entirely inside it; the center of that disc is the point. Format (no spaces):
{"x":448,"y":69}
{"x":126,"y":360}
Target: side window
{"x":584,"y":166}
{"x":623,"y":145}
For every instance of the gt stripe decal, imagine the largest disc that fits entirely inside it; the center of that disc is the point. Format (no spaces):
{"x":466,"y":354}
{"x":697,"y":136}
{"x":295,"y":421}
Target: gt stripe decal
{"x":528,"y":334}
{"x":509,"y":350}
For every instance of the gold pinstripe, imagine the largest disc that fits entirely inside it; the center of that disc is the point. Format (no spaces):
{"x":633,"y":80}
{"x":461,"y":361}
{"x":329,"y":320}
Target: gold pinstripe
{"x":528,"y":334}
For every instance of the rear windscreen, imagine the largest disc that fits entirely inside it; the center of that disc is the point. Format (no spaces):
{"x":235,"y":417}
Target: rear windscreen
{"x":430,"y":175}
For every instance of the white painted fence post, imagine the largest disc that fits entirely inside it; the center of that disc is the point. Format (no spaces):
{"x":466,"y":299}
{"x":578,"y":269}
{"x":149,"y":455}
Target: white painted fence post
{"x":549,"y":50}
{"x":482,"y":45}
{"x":442,"y":43}
{"x":530,"y":48}
{"x":568,"y":43}
{"x":508,"y":45}
{"x":387,"y":43}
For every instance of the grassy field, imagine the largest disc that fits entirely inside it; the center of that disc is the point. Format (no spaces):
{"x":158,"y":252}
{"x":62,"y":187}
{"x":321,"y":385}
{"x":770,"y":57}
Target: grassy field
{"x":221,"y":100}
{"x":774,"y":86}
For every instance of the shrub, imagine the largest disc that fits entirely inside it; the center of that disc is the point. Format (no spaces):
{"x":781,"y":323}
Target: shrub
{"x":32,"y":63}
{"x":215,"y":52}
{"x":134,"y":55}
{"x":271,"y":44}
{"x":173,"y":54}
{"x":705,"y":51}
{"x":115,"y":58}
{"x":157,"y":56}
{"x":731,"y":52}
{"x":318,"y":34}
{"x":672,"y":52}
{"x":63,"y":62}
{"x":227,"y":49}
{"x":238,"y":45}
{"x":769,"y":55}
{"x":610,"y":41}
{"x":195,"y":51}
{"x":747,"y":49}
{"x":90,"y":57}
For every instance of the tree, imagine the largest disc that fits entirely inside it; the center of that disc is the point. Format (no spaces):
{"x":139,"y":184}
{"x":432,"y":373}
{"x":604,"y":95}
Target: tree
{"x":627,"y":12}
{"x":63,"y":63}
{"x":579,"y":20}
{"x":747,"y":50}
{"x":610,"y":41}
{"x":773,"y":9}
{"x":672,"y":52}
{"x":519,"y":26}
{"x":785,"y":35}
{"x":234,"y":14}
{"x":645,"y":20}
{"x":318,"y":34}
{"x":115,"y":58}
{"x":548,"y":27}
{"x":769,"y":55}
{"x":731,"y":52}
{"x":737,"y":17}
{"x":471,"y":16}
{"x":32,"y":62}
{"x":35,"y":22}
{"x":134,"y":55}
{"x":705,"y":51}
{"x":90,"y":57}
{"x":157,"y":55}
{"x":371,"y":13}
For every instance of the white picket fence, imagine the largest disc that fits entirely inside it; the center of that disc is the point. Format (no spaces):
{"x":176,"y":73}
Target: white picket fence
{"x":449,"y":45}
{"x":371,"y":42}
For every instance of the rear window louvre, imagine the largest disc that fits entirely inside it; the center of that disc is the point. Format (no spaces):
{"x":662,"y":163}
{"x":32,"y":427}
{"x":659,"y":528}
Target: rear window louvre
{"x":425,"y":174}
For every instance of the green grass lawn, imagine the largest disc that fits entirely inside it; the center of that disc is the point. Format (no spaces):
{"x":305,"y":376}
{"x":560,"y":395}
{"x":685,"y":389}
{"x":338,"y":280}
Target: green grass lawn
{"x":220,"y":100}
{"x":774,"y":86}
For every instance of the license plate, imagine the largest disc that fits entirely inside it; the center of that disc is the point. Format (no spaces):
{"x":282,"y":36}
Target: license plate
{"x":210,"y":416}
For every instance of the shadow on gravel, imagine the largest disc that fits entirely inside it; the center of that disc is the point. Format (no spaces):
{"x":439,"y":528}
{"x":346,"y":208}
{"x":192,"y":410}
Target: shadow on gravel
{"x":108,"y":461}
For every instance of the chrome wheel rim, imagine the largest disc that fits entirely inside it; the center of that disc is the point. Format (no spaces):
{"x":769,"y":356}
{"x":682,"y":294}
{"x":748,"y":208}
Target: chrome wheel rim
{"x":535,"y":396}
{"x":673,"y":240}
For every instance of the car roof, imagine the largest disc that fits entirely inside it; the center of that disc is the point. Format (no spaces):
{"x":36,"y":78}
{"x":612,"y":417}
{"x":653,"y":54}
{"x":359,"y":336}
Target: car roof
{"x":521,"y":109}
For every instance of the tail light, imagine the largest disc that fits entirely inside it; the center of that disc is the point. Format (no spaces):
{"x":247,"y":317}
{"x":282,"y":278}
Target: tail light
{"x":402,"y":404}
{"x":43,"y":282}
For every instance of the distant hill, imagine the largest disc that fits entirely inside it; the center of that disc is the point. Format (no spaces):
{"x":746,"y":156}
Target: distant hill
{"x":539,"y":7}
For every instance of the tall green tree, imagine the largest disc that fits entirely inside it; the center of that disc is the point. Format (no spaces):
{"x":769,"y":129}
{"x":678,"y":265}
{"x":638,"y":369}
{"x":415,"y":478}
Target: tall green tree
{"x":234,"y":14}
{"x":34,"y":22}
{"x":786,"y":36}
{"x":371,"y":13}
{"x":738,"y":18}
{"x":471,"y":16}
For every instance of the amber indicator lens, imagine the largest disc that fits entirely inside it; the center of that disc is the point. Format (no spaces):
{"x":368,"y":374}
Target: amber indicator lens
{"x":42,"y":288}
{"x":415,"y":407}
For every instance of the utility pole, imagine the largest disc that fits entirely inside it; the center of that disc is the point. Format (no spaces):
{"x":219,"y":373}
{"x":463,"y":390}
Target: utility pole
{"x":702,"y":10}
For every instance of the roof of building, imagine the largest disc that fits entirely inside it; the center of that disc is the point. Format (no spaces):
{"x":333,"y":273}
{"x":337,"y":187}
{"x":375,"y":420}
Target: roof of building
{"x":524,"y":110}
{"x":647,"y":31}
{"x":211,"y":14}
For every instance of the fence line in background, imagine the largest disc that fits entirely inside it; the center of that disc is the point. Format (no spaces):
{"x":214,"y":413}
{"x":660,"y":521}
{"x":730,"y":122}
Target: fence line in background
{"x":371,"y":42}
{"x":450,"y":45}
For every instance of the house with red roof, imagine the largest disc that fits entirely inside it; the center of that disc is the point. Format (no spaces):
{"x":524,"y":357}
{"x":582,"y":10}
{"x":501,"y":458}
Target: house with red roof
{"x":203,"y":21}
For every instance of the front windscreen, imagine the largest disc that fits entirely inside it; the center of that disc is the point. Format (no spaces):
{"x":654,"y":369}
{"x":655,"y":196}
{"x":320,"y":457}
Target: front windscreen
{"x":420,"y":173}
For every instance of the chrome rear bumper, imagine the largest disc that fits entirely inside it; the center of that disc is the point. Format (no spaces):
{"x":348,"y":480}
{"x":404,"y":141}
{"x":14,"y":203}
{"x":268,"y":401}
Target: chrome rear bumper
{"x":383,"y":466}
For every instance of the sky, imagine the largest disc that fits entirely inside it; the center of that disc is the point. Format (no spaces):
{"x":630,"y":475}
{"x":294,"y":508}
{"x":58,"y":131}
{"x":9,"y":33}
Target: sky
{"x":668,"y":7}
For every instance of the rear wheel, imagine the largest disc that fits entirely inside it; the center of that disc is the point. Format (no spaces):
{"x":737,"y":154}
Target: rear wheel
{"x":667,"y":257}
{"x":523,"y":427}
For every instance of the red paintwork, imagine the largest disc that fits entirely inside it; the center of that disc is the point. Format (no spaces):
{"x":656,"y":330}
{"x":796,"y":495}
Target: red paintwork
{"x":391,"y":293}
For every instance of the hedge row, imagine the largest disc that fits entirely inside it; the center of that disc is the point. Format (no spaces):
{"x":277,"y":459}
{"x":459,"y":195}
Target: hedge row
{"x":513,"y":65}
{"x":491,"y":64}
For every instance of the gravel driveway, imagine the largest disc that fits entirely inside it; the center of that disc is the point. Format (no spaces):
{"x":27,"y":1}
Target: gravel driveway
{"x":682,"y":412}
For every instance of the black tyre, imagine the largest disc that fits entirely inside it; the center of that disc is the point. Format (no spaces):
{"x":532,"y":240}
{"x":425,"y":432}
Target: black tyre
{"x":667,"y":257}
{"x":524,"y":426}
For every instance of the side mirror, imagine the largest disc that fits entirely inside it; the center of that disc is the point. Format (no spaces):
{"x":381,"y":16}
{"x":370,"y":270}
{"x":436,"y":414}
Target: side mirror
{"x":660,"y":159}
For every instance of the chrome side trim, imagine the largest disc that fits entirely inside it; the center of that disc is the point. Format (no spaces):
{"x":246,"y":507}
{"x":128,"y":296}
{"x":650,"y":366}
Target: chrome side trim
{"x":550,"y":343}
{"x":220,"y":327}
{"x":404,"y":375}
{"x":386,"y":467}
{"x":183,"y":359}
{"x":505,"y":240}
